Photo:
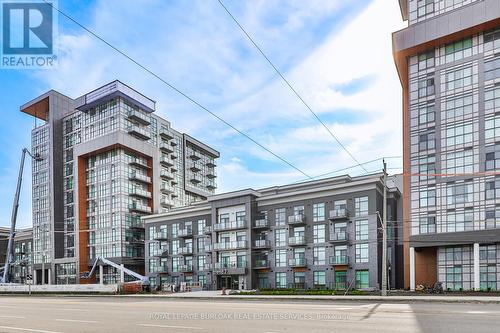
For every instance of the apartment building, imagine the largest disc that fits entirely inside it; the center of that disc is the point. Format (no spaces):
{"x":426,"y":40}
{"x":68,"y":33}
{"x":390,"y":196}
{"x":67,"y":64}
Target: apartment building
{"x":316,"y":234}
{"x":22,"y":270}
{"x":448,"y":60}
{"x":107,"y":160}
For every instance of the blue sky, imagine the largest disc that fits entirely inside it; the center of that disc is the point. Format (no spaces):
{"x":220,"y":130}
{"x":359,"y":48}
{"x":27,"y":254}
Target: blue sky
{"x":337,"y":53}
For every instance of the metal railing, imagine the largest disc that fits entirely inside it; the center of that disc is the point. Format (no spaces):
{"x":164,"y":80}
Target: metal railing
{"x":297,"y":219}
{"x":340,"y":213}
{"x":261,"y":223}
{"x":339,"y":236}
{"x":230,"y":245}
{"x":239,"y":224}
{"x":339,"y":260}
{"x":297,"y":262}
{"x":296,"y":240}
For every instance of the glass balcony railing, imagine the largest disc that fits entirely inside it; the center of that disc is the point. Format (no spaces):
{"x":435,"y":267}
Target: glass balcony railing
{"x":340,"y":213}
{"x":139,"y":116}
{"x":262,"y":243}
{"x":139,"y":132}
{"x":297,"y":262}
{"x":339,"y":260}
{"x":339,"y":236}
{"x":186,"y":232}
{"x":139,"y":207}
{"x":165,"y":147}
{"x":230,"y":225}
{"x":140,"y":193}
{"x":261,"y":223}
{"x":296,"y":240}
{"x":185,"y":250}
{"x":297,"y":219}
{"x":230,"y":245}
{"x":140,"y":177}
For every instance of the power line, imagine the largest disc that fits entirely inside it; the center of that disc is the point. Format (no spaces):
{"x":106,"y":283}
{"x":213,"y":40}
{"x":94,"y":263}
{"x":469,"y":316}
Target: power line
{"x":171,"y":86}
{"x":291,"y":87}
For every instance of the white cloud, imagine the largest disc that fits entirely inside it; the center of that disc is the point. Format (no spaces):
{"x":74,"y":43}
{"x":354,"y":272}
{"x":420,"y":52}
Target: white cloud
{"x":199,"y":49}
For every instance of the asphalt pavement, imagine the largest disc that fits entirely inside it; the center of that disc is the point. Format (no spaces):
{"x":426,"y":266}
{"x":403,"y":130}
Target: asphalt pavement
{"x":114,"y":314}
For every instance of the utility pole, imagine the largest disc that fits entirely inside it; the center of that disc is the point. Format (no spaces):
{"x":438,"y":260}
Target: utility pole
{"x":384,"y":236}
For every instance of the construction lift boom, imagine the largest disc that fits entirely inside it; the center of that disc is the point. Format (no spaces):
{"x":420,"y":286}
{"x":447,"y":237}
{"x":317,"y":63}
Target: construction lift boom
{"x":5,"y":278}
{"x":100,"y":261}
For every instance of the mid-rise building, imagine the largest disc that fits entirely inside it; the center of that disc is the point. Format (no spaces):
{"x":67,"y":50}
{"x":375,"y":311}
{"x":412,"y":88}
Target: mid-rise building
{"x":316,"y":234}
{"x":106,"y":160}
{"x":448,"y":60}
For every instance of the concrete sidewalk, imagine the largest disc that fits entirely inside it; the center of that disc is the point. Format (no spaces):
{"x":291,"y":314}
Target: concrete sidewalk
{"x":217,"y":296}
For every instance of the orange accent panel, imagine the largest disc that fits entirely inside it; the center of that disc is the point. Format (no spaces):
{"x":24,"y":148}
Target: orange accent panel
{"x":426,"y":266}
{"x":39,"y":110}
{"x":82,"y":219}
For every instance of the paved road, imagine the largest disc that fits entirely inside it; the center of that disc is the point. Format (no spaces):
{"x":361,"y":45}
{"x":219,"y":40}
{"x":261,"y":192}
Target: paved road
{"x":108,"y":314}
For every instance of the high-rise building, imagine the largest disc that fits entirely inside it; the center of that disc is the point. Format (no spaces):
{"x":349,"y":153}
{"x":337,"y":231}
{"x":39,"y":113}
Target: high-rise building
{"x":448,"y":60}
{"x":322,"y":234}
{"x":107,"y":160}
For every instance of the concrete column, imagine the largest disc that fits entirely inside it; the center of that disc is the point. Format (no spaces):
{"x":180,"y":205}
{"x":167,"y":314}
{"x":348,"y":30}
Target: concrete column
{"x":122,"y":274}
{"x":35,"y":280}
{"x":477,"y":278}
{"x":412,"y":268}
{"x":101,"y":275}
{"x":49,"y":276}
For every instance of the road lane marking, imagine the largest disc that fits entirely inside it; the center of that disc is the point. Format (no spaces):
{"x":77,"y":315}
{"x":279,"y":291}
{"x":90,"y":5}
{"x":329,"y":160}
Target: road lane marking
{"x":169,"y":326}
{"x":27,"y":329}
{"x":16,"y":317}
{"x":78,"y":321}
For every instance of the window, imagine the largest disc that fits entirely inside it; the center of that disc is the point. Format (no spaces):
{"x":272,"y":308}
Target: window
{"x":298,"y":211}
{"x":362,"y":253}
{"x":492,"y":69}
{"x":493,"y":157}
{"x":492,"y":128}
{"x":318,"y":212}
{"x":493,"y":189}
{"x":426,"y":60}
{"x":281,"y":258}
{"x":280,"y":216}
{"x":361,"y":229}
{"x":361,"y":206}
{"x":280,"y":280}
{"x":427,"y":197}
{"x":459,"y":135}
{"x":491,"y":39}
{"x":426,"y":87}
{"x":458,"y":78}
{"x":459,"y":162}
{"x":491,"y":217}
{"x":488,"y":252}
{"x":319,"y":279}
{"x":428,"y":225}
{"x":488,"y":277}
{"x":492,"y":99}
{"x":454,"y":277}
{"x":201,"y":227}
{"x":458,"y":107}
{"x":201,"y":263}
{"x":340,"y":280}
{"x":427,"y":168}
{"x":460,"y":193}
{"x":458,"y":50}
{"x":362,"y":279}
{"x":427,"y":141}
{"x":319,"y":256}
{"x":280,"y":237}
{"x":299,"y":280}
{"x":459,"y":221}
{"x":319,"y":233}
{"x":425,"y":7}
{"x":426,"y":114}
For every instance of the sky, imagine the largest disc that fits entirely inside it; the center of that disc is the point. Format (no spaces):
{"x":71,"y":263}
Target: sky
{"x":337,"y":54}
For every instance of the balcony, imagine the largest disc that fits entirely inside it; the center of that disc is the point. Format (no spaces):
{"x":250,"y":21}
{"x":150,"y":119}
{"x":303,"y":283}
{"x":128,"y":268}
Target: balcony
{"x":340,"y":260}
{"x":161,"y":236}
{"x":138,"y":207}
{"x":166,"y":134}
{"x":211,"y":187}
{"x":297,"y":219}
{"x":165,"y":161}
{"x":138,"y":192}
{"x":139,"y":117}
{"x":236,"y":268}
{"x":186,"y":268}
{"x":186,"y":250}
{"x":166,"y":148}
{"x":166,"y":202}
{"x":233,"y":225}
{"x":262,"y":244}
{"x":211,"y":163}
{"x":211,"y":174}
{"x":174,"y":156}
{"x":261,"y":224}
{"x":165,"y":189}
{"x":297,"y":262}
{"x":297,"y":241}
{"x":208,"y":229}
{"x":261,"y":264}
{"x":166,"y":175}
{"x":134,"y":240}
{"x":339,"y":237}
{"x":186,"y":232}
{"x":339,"y":214}
{"x":139,"y":177}
{"x":195,"y":167}
{"x":230,"y":246}
{"x":134,"y":221}
{"x":139,"y":162}
{"x":138,"y":132}
{"x":208,"y":247}
{"x":162,"y":269}
{"x":161,"y":254}
{"x":195,"y":179}
{"x":195,"y":156}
